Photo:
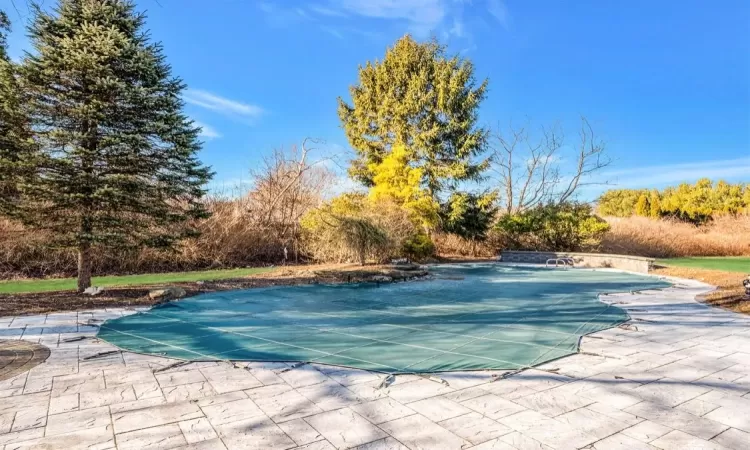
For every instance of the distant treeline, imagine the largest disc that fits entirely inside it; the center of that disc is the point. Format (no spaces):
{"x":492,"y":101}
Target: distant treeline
{"x":696,"y":203}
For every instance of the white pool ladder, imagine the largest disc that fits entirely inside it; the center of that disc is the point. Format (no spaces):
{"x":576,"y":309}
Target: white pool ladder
{"x":559,"y":262}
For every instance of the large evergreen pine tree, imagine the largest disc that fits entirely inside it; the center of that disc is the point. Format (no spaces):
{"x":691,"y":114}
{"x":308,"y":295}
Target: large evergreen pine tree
{"x":118,"y":162}
{"x":418,"y":97}
{"x":15,"y":140}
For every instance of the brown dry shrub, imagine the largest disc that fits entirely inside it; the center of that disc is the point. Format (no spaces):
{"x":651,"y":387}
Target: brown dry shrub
{"x":450,"y":245}
{"x":665,"y":238}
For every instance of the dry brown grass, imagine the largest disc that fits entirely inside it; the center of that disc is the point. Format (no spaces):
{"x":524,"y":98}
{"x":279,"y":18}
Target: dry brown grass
{"x":724,"y":236}
{"x":729,"y":293}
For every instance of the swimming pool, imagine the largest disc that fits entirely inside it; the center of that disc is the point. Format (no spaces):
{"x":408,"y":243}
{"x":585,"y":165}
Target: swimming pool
{"x":469,"y":317}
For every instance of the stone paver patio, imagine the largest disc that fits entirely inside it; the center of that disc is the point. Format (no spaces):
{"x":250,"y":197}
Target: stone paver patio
{"x":676,"y":377}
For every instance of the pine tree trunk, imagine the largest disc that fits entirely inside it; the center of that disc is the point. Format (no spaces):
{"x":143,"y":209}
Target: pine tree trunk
{"x":84,"y":267}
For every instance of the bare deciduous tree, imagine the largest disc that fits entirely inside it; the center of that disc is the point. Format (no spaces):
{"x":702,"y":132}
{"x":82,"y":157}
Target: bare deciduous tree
{"x":288,"y":184}
{"x":529,"y":170}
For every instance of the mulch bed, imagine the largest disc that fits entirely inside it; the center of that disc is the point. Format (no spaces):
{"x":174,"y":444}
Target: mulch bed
{"x":17,"y":356}
{"x":46,"y":302}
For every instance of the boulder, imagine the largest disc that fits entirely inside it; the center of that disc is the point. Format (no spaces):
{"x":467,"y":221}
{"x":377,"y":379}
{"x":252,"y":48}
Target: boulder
{"x":93,"y":290}
{"x":168,"y":293}
{"x":382,"y":278}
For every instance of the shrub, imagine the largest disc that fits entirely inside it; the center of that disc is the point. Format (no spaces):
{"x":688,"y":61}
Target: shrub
{"x":558,"y":227}
{"x":353,"y":227}
{"x":418,"y":246}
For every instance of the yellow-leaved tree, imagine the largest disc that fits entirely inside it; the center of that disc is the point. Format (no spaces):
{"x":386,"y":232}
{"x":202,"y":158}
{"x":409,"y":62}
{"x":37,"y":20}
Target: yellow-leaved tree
{"x":395,"y":179}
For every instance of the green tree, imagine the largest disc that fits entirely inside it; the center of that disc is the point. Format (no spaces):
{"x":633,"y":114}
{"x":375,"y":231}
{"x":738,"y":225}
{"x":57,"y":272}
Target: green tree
{"x":15,"y":138}
{"x":469,"y":215}
{"x":118,"y":164}
{"x":642,"y":207}
{"x":421,"y":98}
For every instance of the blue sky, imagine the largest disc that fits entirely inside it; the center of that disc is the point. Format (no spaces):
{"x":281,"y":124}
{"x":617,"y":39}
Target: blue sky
{"x":666,"y":84}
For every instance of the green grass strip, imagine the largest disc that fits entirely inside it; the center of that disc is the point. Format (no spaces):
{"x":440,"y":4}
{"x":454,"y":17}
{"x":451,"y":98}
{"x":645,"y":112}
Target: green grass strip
{"x":65,"y":284}
{"x":727,"y":264}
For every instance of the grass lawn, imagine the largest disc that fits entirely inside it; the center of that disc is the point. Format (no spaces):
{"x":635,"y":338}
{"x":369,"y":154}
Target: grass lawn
{"x":727,"y":264}
{"x":63,"y":284}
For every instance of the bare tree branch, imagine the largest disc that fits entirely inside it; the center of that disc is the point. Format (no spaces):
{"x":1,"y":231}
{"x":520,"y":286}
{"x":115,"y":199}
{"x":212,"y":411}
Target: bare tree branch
{"x":529,"y":169}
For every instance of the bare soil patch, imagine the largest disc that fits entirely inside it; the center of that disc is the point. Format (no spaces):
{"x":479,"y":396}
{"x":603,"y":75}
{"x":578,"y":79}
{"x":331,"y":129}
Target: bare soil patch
{"x":729,"y":293}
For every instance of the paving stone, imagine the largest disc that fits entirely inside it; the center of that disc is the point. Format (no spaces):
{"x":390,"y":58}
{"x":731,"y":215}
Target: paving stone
{"x":733,"y":439}
{"x":697,"y":407}
{"x":78,"y":420}
{"x":227,"y":379}
{"x":493,"y":406}
{"x":109,"y":396}
{"x":553,"y":402}
{"x":21,"y":436}
{"x":168,"y":379}
{"x":197,"y":430}
{"x":64,"y":403}
{"x":475,"y":427}
{"x":416,"y":390}
{"x":154,"y":416}
{"x":383,"y":444}
{"x":223,"y":398}
{"x":190,"y":391}
{"x":329,"y":395}
{"x":74,"y":384}
{"x":679,"y":420}
{"x":646,"y":431}
{"x":678,"y":440}
{"x":320,"y":445}
{"x":523,"y":442}
{"x":17,"y":402}
{"x":138,"y":404}
{"x":98,"y":438}
{"x":439,"y":408}
{"x":614,"y":413}
{"x":213,"y":444}
{"x":6,"y":421}
{"x":621,"y":441}
{"x":164,"y":436}
{"x":734,"y":417}
{"x":348,"y":377}
{"x":300,"y":431}
{"x":498,"y":444}
{"x":548,"y":431}
{"x":266,"y":372}
{"x":466,"y":394}
{"x":146,"y":390}
{"x":303,"y":376}
{"x":255,"y":433}
{"x":29,"y":418}
{"x":121,"y":377}
{"x":669,"y":392}
{"x":418,"y":432}
{"x":382,"y":410}
{"x":286,"y":406}
{"x":592,"y":422}
{"x":344,"y":428}
{"x":231,"y":411}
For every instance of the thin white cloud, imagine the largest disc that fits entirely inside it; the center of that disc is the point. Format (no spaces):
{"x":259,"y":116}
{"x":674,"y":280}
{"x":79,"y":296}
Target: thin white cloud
{"x":670,"y":174}
{"x":499,"y":11}
{"x":423,"y":16}
{"x":223,"y":105}
{"x":207,"y":131}
{"x":333,"y":32}
{"x":323,"y":11}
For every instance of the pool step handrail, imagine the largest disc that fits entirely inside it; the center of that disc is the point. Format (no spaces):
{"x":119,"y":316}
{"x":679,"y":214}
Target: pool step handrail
{"x":559,"y":262}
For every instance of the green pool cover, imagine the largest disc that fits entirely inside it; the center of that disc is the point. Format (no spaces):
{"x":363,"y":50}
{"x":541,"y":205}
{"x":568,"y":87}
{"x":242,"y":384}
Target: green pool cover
{"x":472,"y":316}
